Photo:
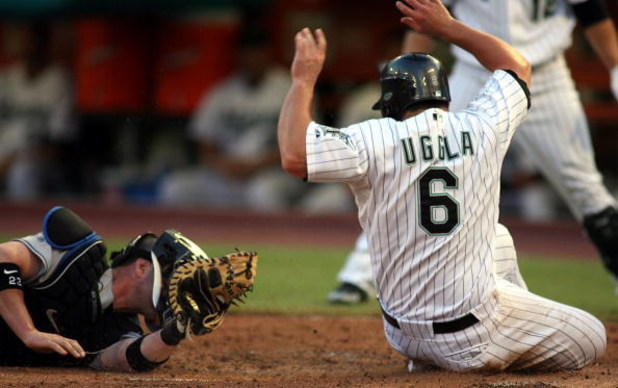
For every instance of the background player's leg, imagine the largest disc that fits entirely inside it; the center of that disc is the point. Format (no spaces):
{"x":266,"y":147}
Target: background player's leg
{"x":555,"y":137}
{"x":356,"y":278}
{"x":602,"y":228}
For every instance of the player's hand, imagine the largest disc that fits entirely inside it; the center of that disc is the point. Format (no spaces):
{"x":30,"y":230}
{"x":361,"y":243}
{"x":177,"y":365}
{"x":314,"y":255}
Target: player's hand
{"x":425,"y":16}
{"x":309,"y":56}
{"x":614,"y":81}
{"x":47,"y":343}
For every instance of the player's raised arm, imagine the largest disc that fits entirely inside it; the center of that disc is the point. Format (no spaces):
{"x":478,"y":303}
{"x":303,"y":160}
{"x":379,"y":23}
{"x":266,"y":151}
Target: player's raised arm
{"x":414,"y":41}
{"x":432,"y":18}
{"x":600,"y":32}
{"x":295,"y":113}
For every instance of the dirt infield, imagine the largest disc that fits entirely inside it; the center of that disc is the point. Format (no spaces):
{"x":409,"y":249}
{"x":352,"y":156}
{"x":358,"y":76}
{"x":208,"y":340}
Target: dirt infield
{"x":292,"y":351}
{"x":307,"y":351}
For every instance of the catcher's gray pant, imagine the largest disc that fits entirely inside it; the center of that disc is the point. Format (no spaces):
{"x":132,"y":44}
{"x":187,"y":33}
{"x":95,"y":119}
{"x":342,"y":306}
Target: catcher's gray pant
{"x":516,"y":330}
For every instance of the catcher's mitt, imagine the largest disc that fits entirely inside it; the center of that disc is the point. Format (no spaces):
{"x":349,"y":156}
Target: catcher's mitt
{"x":201,"y":291}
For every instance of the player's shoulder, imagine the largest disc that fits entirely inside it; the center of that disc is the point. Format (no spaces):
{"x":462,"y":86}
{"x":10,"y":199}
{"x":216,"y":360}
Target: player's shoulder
{"x":505,"y":75}
{"x":366,"y":124}
{"x":381,"y":124}
{"x":503,"y":92}
{"x":509,"y":79}
{"x":359,"y":130}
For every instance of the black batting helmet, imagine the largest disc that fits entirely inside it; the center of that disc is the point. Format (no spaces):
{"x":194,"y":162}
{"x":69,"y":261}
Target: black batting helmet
{"x":408,"y":80}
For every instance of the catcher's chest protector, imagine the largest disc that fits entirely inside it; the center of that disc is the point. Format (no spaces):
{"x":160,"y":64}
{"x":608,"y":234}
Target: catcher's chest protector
{"x":68,"y":302}
{"x":70,"y":297}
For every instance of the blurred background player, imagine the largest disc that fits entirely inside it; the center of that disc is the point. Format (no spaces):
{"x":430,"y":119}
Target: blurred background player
{"x":234,"y":125}
{"x":36,"y":118}
{"x":555,"y":137}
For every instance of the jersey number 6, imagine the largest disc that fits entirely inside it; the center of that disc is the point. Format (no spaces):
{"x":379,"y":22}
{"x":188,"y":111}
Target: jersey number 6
{"x":439,"y":212}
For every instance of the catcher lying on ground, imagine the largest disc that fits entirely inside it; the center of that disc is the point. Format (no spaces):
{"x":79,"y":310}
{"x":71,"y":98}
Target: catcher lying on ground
{"x":62,"y":303}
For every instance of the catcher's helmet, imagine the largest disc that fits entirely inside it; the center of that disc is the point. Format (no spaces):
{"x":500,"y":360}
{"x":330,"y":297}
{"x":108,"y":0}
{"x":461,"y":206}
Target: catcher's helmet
{"x":166,"y":252}
{"x":408,"y":80}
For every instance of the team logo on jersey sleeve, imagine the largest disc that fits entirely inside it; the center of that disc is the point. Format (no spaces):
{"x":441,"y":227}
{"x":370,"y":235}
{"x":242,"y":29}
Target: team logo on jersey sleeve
{"x":334,"y":133}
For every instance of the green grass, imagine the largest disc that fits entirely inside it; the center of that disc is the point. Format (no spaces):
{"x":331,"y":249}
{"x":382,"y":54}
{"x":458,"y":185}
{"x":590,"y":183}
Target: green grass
{"x":295,"y":280}
{"x":584,"y":284}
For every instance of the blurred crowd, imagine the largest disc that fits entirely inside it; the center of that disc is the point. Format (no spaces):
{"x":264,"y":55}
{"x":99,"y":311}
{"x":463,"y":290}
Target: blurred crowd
{"x":222,"y":152}
{"x":37,"y":119}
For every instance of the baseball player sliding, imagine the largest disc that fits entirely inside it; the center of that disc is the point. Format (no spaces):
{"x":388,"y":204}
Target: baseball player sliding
{"x":427,"y":183}
{"x":555,"y":136}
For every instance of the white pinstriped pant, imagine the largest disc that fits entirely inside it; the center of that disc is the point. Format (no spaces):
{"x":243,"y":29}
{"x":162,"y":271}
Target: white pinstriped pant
{"x":524,"y":331}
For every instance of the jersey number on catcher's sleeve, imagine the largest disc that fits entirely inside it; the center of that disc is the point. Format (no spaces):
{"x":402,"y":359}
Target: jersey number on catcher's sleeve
{"x":439,"y":212}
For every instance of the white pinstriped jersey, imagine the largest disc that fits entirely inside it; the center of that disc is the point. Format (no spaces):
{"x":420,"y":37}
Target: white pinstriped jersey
{"x":539,"y":29}
{"x":427,"y":190}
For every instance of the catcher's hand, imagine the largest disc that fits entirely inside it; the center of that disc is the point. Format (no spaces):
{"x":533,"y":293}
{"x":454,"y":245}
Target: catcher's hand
{"x":201,"y":291}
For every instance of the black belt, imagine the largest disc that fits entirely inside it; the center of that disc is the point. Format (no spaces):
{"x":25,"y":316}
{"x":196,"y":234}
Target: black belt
{"x":441,"y":327}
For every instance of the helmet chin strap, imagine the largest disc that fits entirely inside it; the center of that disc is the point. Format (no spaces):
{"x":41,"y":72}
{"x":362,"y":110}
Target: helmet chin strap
{"x":156,"y":282}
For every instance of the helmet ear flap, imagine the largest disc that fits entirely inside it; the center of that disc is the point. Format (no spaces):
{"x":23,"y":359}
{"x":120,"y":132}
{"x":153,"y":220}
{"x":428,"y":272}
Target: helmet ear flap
{"x":397,"y":95}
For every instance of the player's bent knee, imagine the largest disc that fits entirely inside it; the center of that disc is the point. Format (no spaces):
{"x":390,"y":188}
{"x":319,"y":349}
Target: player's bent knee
{"x":501,"y":229}
{"x":592,"y":343}
{"x":600,"y":343}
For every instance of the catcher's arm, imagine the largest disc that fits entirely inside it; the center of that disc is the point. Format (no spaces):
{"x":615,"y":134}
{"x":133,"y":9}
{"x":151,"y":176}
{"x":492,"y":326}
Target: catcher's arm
{"x":200,"y":292}
{"x":17,"y":261}
{"x":134,"y":354}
